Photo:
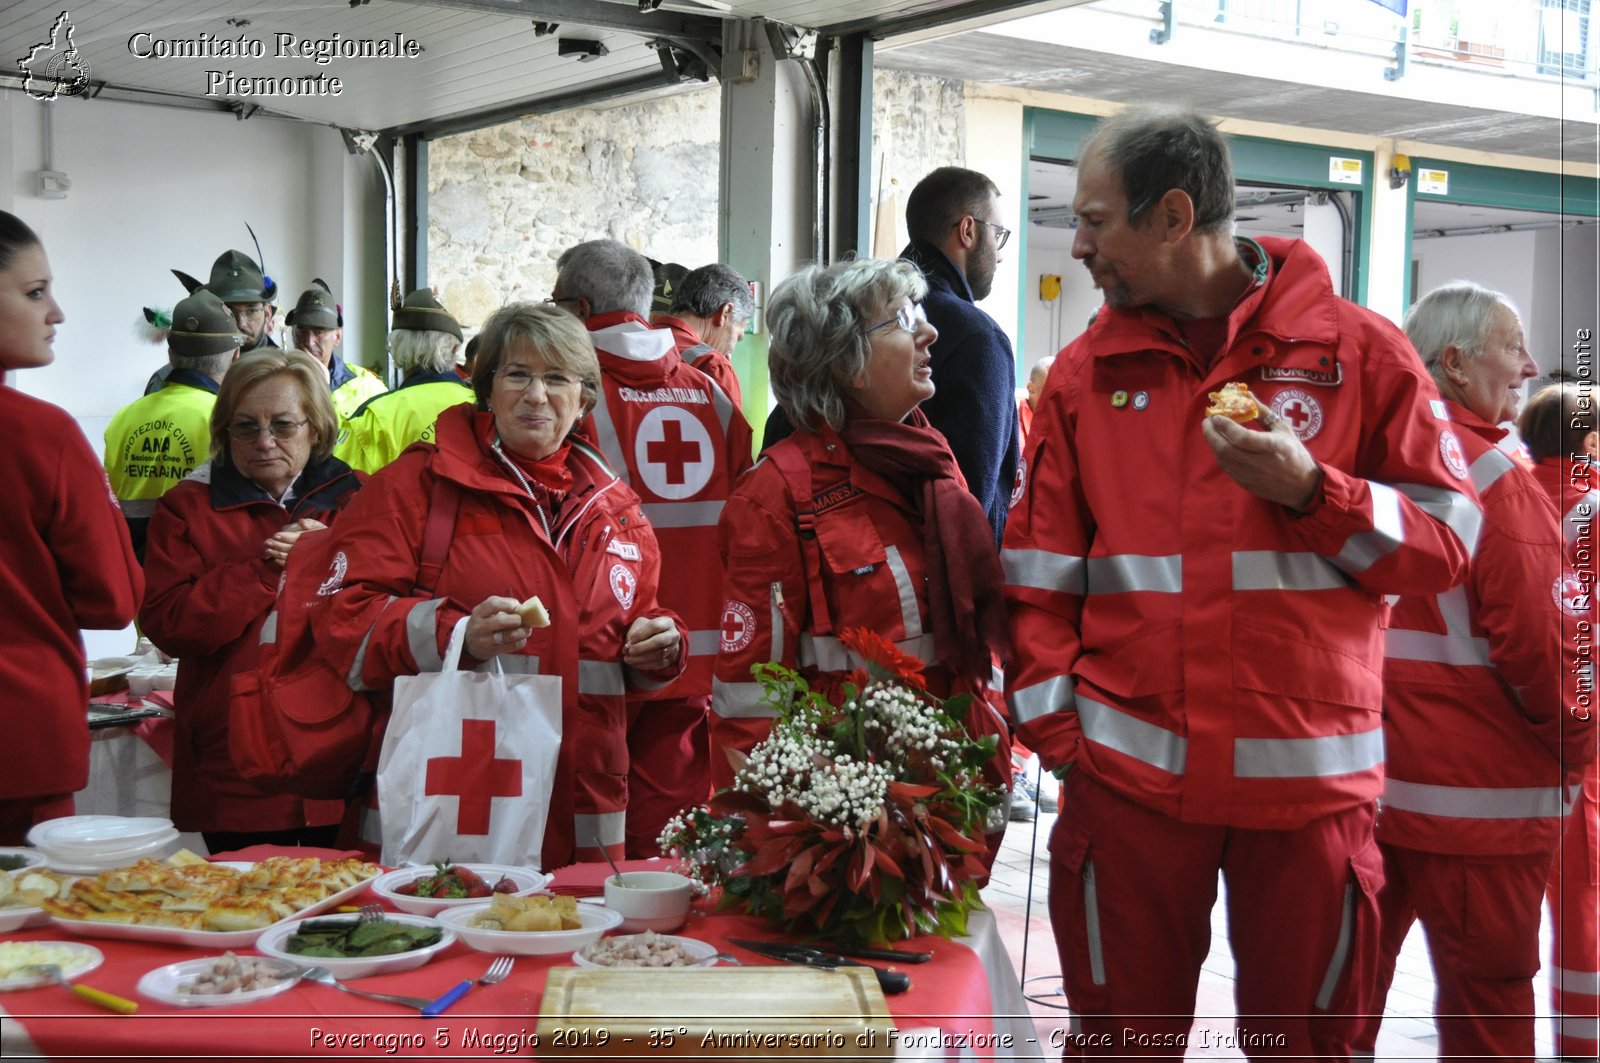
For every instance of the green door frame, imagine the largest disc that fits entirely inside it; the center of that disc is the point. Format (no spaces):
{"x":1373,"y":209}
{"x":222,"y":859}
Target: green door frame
{"x":1057,"y":135}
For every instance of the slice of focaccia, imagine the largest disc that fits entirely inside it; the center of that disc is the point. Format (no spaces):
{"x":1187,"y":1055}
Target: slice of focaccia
{"x":1234,"y":402}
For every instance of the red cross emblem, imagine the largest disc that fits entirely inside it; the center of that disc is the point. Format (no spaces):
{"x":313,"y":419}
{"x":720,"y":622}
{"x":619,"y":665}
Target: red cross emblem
{"x":1570,"y":594}
{"x":477,"y":777}
{"x":1299,"y":411}
{"x":673,"y":453}
{"x":738,"y":626}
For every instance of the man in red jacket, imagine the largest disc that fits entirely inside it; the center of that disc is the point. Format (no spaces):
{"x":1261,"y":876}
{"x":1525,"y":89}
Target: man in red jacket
{"x":1487,"y":742}
{"x":709,"y":311}
{"x":1196,"y":604}
{"x":680,"y":442}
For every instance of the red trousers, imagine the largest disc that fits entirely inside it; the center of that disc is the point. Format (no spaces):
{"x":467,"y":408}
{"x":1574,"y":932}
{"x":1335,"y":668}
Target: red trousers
{"x":1481,"y":918}
{"x":1131,"y":893}
{"x":669,"y":767}
{"x":1574,"y":893}
{"x":19,"y":814}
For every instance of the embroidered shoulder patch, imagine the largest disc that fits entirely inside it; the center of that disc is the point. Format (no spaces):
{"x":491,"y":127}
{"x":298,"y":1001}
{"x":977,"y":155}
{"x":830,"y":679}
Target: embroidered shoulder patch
{"x":625,"y":550}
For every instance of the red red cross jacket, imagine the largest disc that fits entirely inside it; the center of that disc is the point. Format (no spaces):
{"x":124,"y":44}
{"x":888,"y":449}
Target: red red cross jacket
{"x":1570,"y":484}
{"x":680,"y":442}
{"x":1196,"y":648}
{"x":702,"y":356}
{"x":596,"y":578}
{"x":210,"y":590}
{"x":1479,"y":680}
{"x":869,"y":568}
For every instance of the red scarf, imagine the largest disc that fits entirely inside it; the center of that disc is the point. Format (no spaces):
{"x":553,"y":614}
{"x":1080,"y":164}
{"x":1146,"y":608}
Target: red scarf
{"x":964,"y":574}
{"x":550,"y":473}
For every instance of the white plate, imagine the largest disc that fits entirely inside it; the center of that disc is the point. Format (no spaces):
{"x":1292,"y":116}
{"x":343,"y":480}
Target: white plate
{"x":274,"y":941}
{"x":109,"y":859}
{"x":702,"y":953}
{"x":163,"y":982}
{"x":82,"y":837}
{"x":22,"y":919}
{"x":84,"y":959}
{"x":527,"y":882}
{"x":596,"y":921}
{"x":204,"y":939}
{"x":33,"y":857}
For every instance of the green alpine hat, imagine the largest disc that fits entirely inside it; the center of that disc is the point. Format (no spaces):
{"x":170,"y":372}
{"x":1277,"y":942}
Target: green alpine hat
{"x":202,"y":325}
{"x":235,"y":278}
{"x":421,"y":312}
{"x":315,"y":308}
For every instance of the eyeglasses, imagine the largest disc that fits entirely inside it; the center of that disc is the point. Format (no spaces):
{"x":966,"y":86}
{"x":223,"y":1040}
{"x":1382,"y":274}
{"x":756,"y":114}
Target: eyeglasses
{"x":908,"y":317}
{"x":559,"y":299}
{"x":515,"y":379}
{"x":1001,"y":233}
{"x":248,"y":311}
{"x":249,"y":431}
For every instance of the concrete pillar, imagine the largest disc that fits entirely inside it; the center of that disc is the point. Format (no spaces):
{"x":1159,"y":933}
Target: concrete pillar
{"x":1388,"y":222}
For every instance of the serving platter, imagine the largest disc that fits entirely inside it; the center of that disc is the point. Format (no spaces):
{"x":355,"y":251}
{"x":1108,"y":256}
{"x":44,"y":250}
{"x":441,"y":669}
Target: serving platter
{"x":222,"y":939}
{"x":82,"y":959}
{"x":163,"y":983}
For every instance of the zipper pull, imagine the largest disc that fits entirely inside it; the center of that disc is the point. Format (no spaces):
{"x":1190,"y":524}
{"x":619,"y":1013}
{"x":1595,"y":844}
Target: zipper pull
{"x":777,"y":592}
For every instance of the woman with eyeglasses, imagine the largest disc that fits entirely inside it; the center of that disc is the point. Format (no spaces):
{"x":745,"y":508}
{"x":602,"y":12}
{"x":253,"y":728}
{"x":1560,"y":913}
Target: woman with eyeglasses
{"x":858,"y":519}
{"x":65,"y":559}
{"x":217,"y":546}
{"x":537,"y":512}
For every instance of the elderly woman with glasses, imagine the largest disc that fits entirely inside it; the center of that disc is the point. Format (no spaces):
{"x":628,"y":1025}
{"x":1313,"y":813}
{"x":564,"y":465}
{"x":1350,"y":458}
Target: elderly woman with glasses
{"x":858,"y":519}
{"x":537,"y":512}
{"x":217,"y":547}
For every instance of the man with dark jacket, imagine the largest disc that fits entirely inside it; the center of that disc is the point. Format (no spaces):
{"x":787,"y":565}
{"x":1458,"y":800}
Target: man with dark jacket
{"x":956,"y":240}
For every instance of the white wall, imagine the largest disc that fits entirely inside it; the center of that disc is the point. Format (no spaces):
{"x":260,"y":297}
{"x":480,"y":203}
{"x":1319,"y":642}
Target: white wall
{"x":1050,"y":326}
{"x":155,"y":188}
{"x":1502,"y":261}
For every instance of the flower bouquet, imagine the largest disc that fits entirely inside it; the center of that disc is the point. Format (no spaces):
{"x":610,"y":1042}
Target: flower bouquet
{"x":860,"y":818}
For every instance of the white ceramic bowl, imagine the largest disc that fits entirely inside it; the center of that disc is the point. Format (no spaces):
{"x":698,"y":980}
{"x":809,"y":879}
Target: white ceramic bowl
{"x":85,"y":837}
{"x":384,"y":886}
{"x":274,"y":940}
{"x":596,"y":921}
{"x":702,"y":953}
{"x":650,"y":900}
{"x":30,"y":857}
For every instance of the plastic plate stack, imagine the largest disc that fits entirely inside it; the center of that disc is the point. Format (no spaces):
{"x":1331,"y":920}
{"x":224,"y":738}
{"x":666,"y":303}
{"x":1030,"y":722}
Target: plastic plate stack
{"x":88,"y":845}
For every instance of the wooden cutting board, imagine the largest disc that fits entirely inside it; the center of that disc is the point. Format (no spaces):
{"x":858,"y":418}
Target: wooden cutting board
{"x":711,"y":1012}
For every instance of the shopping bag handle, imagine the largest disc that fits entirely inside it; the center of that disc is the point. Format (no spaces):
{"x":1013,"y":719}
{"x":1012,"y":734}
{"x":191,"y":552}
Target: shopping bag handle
{"x":458,"y":641}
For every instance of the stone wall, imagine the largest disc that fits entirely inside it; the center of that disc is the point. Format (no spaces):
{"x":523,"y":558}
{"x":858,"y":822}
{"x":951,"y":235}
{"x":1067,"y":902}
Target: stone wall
{"x":504,"y":202}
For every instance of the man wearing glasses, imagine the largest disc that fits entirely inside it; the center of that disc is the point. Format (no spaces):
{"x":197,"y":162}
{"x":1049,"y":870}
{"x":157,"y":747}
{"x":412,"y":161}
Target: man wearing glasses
{"x":157,"y":440}
{"x":956,"y":236}
{"x":248,"y":293}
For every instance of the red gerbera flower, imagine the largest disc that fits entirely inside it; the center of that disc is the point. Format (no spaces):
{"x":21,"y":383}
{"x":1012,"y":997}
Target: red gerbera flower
{"x":884,"y":657}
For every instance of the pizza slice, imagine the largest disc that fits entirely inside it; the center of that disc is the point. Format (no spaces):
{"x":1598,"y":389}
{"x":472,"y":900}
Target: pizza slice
{"x":1234,"y":401}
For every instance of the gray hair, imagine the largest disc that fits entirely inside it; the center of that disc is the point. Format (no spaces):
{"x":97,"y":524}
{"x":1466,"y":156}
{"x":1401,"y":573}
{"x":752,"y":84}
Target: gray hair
{"x":1157,"y":149}
{"x":552,"y":333}
{"x":704,"y":291}
{"x":817,"y":320}
{"x":416,"y":350}
{"x":214,"y":366}
{"x":1459,"y":314}
{"x":611,"y":275}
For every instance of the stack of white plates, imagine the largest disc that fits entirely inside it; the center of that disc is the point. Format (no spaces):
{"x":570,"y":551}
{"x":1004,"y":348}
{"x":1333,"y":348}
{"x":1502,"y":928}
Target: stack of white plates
{"x":87,"y":845}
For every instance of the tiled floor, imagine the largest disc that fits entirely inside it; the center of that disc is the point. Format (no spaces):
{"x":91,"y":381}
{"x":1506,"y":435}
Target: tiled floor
{"x":1019,"y":903}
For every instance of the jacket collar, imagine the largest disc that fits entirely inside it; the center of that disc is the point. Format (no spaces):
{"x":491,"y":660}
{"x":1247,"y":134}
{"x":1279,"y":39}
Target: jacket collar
{"x":937,"y":267}
{"x":1471,"y":422}
{"x":339,"y":374}
{"x":191,"y":378}
{"x":430,"y":376}
{"x":231,"y":489}
{"x":625,"y":334}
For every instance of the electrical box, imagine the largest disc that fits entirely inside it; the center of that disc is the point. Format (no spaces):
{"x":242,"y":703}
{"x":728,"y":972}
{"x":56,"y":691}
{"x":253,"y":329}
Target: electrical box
{"x":53,"y":184}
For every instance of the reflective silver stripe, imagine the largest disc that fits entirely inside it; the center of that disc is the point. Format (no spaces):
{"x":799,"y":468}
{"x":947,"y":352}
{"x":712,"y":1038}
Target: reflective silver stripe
{"x":1579,"y":1028}
{"x":600,"y":677}
{"x":1364,"y":549}
{"x":1487,"y":470}
{"x":604,"y":829}
{"x":1400,"y":645}
{"x":512,"y":664}
{"x":1041,"y":699}
{"x":910,"y":615}
{"x":1455,"y":612}
{"x":1581,"y":516}
{"x":721,"y":403}
{"x":1126,"y":573}
{"x":997,"y":679}
{"x":370,"y":828}
{"x":1043,"y":570}
{"x":1273,"y":570}
{"x":827,"y":654}
{"x":1304,"y":758}
{"x":1341,"y":948}
{"x":704,"y":643}
{"x":777,"y":620}
{"x":1131,"y":736}
{"x":139,"y":508}
{"x":740,"y":701}
{"x":357,"y":666}
{"x":683,"y":514}
{"x":1475,"y":802}
{"x":422,"y":633}
{"x":269,"y":628}
{"x":605,"y":434}
{"x":1569,"y":981}
{"x":1451,"y":508}
{"x":1091,"y":921}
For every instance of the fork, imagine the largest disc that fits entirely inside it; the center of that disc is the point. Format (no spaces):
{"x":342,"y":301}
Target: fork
{"x":369,"y":913}
{"x":497,"y":972}
{"x":109,"y":1001}
{"x":325,"y":976}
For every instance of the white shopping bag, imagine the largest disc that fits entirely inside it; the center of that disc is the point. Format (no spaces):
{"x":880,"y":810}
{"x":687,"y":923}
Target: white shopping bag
{"x":467,"y":764}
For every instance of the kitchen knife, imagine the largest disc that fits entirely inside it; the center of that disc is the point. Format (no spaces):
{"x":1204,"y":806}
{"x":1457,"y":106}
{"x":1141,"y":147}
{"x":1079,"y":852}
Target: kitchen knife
{"x":892,"y":955}
{"x":890,"y":982}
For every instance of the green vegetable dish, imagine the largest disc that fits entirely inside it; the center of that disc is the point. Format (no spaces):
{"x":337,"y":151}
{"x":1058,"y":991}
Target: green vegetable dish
{"x":12,"y":863}
{"x":350,"y":939}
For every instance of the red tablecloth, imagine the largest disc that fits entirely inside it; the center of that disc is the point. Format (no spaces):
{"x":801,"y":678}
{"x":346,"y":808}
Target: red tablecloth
{"x":309,"y":1021}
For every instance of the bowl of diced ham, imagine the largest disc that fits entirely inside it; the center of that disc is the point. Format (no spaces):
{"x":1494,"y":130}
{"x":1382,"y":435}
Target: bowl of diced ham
{"x":648,"y":949}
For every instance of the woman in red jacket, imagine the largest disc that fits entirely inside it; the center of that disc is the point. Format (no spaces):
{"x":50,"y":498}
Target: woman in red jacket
{"x":216,"y":550}
{"x":65,"y":559}
{"x":860,"y":518}
{"x":538,"y":512}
